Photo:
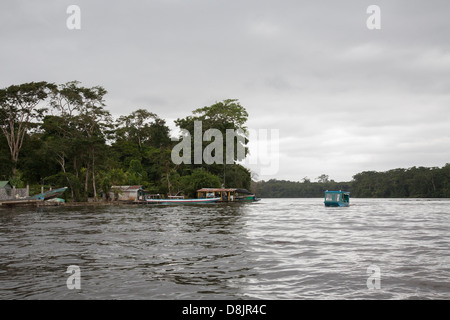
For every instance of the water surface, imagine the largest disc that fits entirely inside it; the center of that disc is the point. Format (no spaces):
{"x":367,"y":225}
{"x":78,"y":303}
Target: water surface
{"x":272,"y":249}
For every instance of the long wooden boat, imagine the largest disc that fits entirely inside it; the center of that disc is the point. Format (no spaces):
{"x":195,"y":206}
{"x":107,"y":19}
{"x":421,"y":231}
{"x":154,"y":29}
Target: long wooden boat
{"x":182,"y":201}
{"x":228,"y":194}
{"x":206,"y":195}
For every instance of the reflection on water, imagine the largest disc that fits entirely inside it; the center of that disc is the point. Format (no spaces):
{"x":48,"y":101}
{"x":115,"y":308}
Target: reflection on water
{"x":273,"y":249}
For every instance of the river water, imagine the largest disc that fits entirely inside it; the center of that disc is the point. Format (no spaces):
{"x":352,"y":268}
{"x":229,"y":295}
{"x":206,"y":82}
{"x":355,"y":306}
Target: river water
{"x":272,"y":249}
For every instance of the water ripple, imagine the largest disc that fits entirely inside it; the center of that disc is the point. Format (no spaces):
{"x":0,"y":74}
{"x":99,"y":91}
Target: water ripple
{"x":274,"y":249}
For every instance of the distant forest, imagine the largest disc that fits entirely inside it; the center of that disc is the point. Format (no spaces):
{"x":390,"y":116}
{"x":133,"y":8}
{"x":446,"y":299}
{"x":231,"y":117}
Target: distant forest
{"x":415,"y":182}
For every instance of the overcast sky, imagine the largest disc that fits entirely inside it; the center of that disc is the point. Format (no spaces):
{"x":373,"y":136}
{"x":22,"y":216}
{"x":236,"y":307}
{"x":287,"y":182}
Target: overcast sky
{"x":343,"y":98}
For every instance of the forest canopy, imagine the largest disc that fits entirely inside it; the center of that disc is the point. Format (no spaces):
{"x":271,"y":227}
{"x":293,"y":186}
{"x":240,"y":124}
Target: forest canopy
{"x":64,"y":135}
{"x":415,"y":182}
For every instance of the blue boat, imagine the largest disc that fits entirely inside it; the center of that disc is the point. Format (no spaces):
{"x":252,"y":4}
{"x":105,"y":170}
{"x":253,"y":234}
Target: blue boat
{"x":337,"y":198}
{"x":48,"y":195}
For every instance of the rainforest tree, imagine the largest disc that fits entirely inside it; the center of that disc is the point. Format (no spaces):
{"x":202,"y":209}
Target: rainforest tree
{"x":21,"y":107}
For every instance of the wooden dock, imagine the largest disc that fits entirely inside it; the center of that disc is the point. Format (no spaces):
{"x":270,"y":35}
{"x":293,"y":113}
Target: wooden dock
{"x":29,"y":202}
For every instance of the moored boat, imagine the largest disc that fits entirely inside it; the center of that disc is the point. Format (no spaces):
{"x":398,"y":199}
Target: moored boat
{"x":228,"y":194}
{"x":245,"y":195}
{"x":181,"y":200}
{"x":206,"y":195}
{"x":337,"y":198}
{"x":48,"y":194}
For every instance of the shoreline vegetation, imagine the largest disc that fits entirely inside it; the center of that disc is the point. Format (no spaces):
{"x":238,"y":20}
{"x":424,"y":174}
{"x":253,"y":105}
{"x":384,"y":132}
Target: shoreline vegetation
{"x":415,"y":182}
{"x":55,"y":135}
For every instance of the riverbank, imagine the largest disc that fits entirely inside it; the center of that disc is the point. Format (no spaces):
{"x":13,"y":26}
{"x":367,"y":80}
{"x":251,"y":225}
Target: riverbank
{"x":40,"y":203}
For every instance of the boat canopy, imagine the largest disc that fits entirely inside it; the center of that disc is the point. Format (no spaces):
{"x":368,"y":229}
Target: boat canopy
{"x":337,"y":198}
{"x":216,"y":190}
{"x":243,"y":191}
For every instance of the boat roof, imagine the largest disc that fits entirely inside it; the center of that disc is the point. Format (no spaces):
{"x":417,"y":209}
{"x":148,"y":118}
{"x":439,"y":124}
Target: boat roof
{"x":216,"y":190}
{"x":127,"y":188}
{"x":340,"y":191}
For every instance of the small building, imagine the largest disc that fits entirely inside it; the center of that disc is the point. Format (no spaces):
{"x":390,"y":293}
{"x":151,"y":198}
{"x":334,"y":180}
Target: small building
{"x":6,"y":185}
{"x":6,"y":190}
{"x":9,"y":192}
{"x":127,"y":193}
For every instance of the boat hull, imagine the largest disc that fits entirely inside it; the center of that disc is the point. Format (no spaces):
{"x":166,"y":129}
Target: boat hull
{"x":182,"y":201}
{"x":336,"y":204}
{"x":48,"y":195}
{"x":251,"y":198}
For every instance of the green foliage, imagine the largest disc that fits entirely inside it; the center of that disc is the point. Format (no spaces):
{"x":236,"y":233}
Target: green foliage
{"x":197,"y":180}
{"x":20,"y":109}
{"x":17,"y":180}
{"x":323,"y":178}
{"x":6,"y":163}
{"x":110,"y":178}
{"x":226,"y":115}
{"x":237,"y":176}
{"x":142,"y":128}
{"x":290,"y":189}
{"x":136,"y":174}
{"x":66,"y":137}
{"x":171,"y":183}
{"x":415,"y":182}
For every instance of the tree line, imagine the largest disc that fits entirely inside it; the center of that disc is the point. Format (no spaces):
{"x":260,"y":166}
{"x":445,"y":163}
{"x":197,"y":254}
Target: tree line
{"x":294,"y":189}
{"x":415,"y":182}
{"x":63,"y":135}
